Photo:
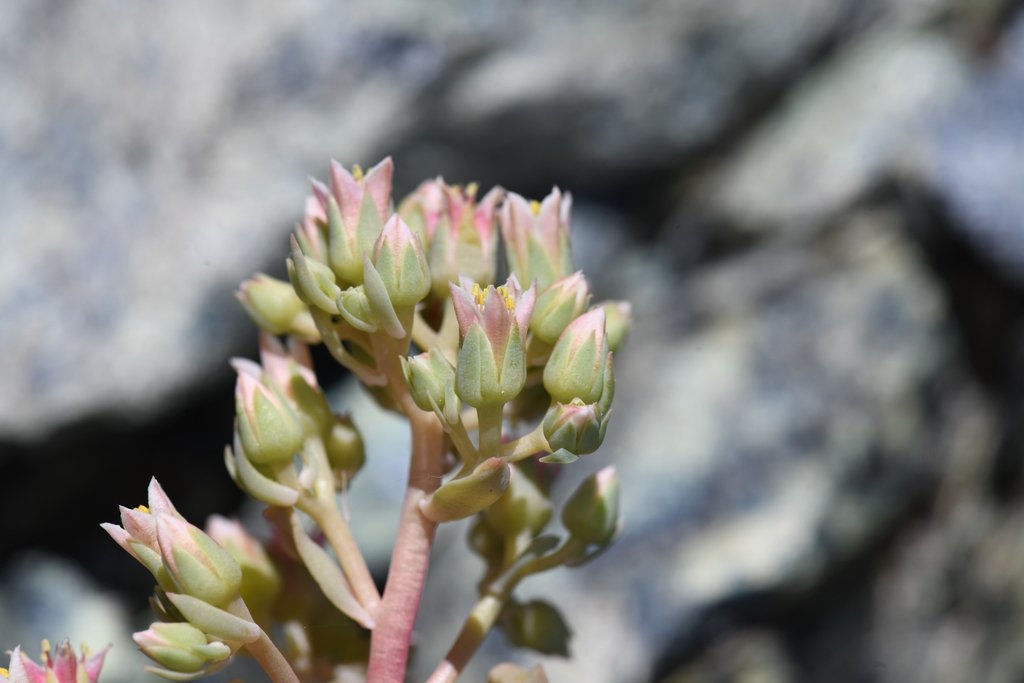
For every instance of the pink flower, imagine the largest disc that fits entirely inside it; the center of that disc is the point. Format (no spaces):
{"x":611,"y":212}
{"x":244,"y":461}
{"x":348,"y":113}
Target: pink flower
{"x":62,"y":668}
{"x":537,"y":237}
{"x":493,"y":323}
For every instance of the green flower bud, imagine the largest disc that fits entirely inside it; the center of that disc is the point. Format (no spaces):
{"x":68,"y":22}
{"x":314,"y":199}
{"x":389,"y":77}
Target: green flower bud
{"x":521,"y":509}
{"x":465,"y":496}
{"x":275,"y":307}
{"x":576,"y":367}
{"x":261,"y":581}
{"x":344,"y":446}
{"x":431,"y":380}
{"x":268,"y":428}
{"x":560,"y":304}
{"x":180,"y":647}
{"x":576,"y":427}
{"x":197,"y":565}
{"x":618,"y":322}
{"x":398,"y":257}
{"x":537,"y":625}
{"x":592,"y":512}
{"x":313,"y":281}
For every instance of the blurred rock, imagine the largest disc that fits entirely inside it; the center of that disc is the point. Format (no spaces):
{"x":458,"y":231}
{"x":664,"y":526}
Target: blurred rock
{"x":973,"y":158}
{"x":876,"y":97}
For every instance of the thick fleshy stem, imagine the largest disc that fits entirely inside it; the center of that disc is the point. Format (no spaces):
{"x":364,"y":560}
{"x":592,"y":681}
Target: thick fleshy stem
{"x":389,"y":644}
{"x":490,"y":426}
{"x":486,"y":611}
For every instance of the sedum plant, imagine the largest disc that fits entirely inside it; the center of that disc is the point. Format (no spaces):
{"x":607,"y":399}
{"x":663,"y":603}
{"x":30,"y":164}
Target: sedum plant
{"x":503,"y":380}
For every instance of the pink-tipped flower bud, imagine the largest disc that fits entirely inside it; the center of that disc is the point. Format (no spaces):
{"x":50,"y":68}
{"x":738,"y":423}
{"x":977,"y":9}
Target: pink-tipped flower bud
{"x":313,"y":281}
{"x":431,"y":380}
{"x":465,"y":496}
{"x":537,"y":237}
{"x":268,"y":428}
{"x":398,"y":258}
{"x":355,"y":208}
{"x":179,"y":648}
{"x":275,"y":307}
{"x":592,"y":512}
{"x":576,"y":367}
{"x":197,"y":565}
{"x":560,"y":304}
{"x":459,"y":232}
{"x":493,"y":322}
{"x":576,"y":427}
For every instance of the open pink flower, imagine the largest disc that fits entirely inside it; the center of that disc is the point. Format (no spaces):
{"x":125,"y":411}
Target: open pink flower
{"x":537,"y":237}
{"x":63,"y":667}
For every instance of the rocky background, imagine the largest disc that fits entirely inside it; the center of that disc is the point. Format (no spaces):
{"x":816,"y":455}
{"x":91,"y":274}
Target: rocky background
{"x":816,"y":206}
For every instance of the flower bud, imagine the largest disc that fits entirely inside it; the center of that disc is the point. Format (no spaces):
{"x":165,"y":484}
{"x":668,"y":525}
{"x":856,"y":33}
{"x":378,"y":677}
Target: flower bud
{"x":537,"y":237}
{"x":261,"y":581}
{"x":537,"y":625}
{"x":355,"y":208}
{"x":313,"y":281}
{"x":268,"y":428}
{"x":398,"y":257}
{"x":344,"y":446}
{"x":180,"y":647}
{"x":431,"y":380}
{"x":577,"y":427}
{"x":592,"y":512}
{"x":521,"y":509}
{"x":465,"y":496}
{"x":576,"y":367}
{"x":197,"y":565}
{"x":559,"y":305}
{"x":275,"y":307}
{"x":618,"y":322}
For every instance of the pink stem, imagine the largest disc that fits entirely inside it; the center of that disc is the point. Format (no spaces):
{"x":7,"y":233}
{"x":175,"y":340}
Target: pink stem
{"x":389,"y":644}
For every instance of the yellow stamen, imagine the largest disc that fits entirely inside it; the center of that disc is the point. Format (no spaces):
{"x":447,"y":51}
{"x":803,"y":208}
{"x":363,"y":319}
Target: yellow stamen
{"x":471,"y":190}
{"x":509,"y":302}
{"x":143,"y":508}
{"x":535,"y":207}
{"x":478,"y":294}
{"x":357,"y":172}
{"x":4,"y":672}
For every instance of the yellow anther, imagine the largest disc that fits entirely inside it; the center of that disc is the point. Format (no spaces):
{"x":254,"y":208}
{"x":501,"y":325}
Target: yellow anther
{"x":510,"y":303}
{"x":535,"y":207}
{"x":478,"y":294}
{"x":143,"y":508}
{"x":357,"y":172}
{"x":4,"y":672}
{"x":471,"y":190}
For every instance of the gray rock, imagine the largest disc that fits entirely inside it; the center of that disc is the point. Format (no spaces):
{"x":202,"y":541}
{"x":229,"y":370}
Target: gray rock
{"x":844,"y":127}
{"x":973,"y":158}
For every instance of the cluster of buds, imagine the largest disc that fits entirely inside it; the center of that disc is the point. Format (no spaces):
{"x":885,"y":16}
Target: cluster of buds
{"x":505,"y":371}
{"x":201,"y":586}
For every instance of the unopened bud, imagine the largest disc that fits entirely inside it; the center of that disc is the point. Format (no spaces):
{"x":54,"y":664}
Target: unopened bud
{"x":268,"y":428}
{"x":261,"y":581}
{"x":577,"y":427}
{"x":197,"y":565}
{"x":398,"y":257}
{"x":559,"y":305}
{"x":180,"y":647}
{"x":576,"y":367}
{"x":313,"y":281}
{"x":618,"y":322}
{"x":431,"y":380}
{"x":275,"y":307}
{"x":344,"y":445}
{"x":592,"y":512}
{"x":468,"y":495}
{"x":522,"y":508}
{"x":537,"y":625}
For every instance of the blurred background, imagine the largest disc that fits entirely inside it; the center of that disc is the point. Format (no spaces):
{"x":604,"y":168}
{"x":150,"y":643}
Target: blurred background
{"x":815,"y":206}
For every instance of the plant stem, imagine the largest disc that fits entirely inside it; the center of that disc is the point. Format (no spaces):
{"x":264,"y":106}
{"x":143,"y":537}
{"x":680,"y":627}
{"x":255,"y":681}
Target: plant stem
{"x":486,"y":611}
{"x":264,"y":651}
{"x":490,"y":424}
{"x":525,"y":446}
{"x":389,"y":644}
